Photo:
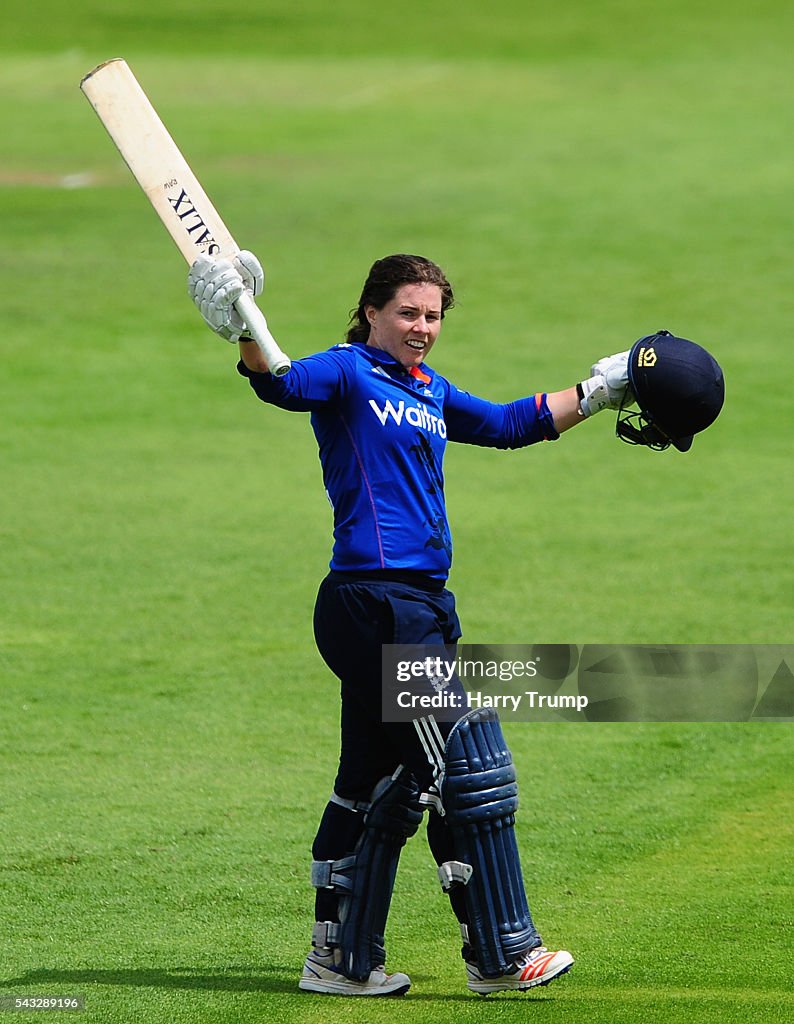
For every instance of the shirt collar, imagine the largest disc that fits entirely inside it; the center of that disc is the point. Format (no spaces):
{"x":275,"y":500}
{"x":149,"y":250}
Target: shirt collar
{"x":422,"y":373}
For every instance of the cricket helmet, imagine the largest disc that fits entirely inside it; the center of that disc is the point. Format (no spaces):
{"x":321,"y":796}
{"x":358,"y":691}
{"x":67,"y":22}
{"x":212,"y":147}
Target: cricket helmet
{"x":679,"y":388}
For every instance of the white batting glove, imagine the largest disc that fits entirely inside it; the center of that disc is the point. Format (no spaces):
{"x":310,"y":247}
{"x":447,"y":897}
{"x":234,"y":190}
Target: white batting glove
{"x":607,"y":387}
{"x":215,"y":285}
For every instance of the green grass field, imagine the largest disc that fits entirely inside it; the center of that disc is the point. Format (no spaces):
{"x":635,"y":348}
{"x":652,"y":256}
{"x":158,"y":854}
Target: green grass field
{"x":586,"y":174}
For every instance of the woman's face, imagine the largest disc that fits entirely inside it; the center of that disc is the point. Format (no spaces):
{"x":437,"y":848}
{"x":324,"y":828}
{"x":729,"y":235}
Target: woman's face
{"x":408,"y":325}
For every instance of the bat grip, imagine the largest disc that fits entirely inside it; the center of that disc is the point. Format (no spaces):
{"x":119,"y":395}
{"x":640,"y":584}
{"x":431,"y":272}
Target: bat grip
{"x":256,"y":326}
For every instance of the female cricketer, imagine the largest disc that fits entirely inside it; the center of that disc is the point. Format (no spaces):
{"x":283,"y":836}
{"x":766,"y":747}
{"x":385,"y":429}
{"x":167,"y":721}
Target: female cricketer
{"x":382,"y":419}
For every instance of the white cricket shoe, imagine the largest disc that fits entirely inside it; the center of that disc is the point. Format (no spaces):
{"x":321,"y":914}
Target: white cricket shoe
{"x":537,"y":967}
{"x":320,"y":974}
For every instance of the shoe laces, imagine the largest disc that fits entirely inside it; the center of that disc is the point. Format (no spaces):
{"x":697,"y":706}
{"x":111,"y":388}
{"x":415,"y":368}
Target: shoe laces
{"x":531,"y":955}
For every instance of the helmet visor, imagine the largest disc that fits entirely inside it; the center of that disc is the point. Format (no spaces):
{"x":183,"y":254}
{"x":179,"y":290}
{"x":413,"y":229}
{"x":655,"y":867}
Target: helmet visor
{"x":635,"y":428}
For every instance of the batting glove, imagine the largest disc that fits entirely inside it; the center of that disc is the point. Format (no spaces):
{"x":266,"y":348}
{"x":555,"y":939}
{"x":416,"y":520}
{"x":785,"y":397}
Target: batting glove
{"x":608,"y":386}
{"x":215,"y":285}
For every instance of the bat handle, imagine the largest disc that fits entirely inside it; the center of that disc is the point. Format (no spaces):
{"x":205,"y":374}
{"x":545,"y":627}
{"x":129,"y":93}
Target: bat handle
{"x":256,"y":325}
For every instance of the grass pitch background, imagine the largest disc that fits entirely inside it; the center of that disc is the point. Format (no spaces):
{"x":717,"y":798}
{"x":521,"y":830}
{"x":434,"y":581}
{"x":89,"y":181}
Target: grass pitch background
{"x":586,"y":173}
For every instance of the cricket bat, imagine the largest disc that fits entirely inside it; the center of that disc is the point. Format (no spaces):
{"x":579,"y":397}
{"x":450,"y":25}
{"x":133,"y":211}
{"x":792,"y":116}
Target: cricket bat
{"x":173,"y":190}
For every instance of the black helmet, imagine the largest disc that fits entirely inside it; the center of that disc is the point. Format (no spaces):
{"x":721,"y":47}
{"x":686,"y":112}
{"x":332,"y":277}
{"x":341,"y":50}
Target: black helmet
{"x":679,"y":389}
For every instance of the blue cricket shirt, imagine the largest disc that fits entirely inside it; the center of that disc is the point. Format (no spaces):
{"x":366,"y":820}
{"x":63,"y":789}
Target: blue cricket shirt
{"x":382,"y":431}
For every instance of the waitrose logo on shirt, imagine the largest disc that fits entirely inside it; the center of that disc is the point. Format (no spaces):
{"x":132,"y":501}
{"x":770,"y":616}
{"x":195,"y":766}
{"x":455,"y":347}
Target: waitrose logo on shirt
{"x":415,"y":415}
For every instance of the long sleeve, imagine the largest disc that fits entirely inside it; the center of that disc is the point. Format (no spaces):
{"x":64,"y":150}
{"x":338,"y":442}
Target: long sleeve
{"x":309,"y":384}
{"x":473,"y":420}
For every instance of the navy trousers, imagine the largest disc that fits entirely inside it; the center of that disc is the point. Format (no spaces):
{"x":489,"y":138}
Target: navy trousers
{"x":353,"y":617}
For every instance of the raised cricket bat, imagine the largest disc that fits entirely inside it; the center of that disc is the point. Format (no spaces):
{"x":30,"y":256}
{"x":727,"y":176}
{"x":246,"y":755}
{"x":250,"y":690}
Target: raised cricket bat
{"x":173,"y":190}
